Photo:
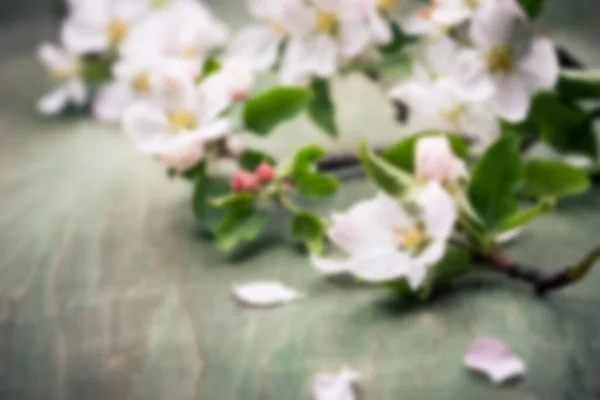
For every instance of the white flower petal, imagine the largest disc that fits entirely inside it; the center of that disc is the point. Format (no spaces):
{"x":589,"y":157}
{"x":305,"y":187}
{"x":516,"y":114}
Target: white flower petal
{"x":54,"y":57}
{"x":322,"y":56}
{"x":111,"y":101}
{"x":78,"y":92}
{"x":386,"y":264}
{"x":214,"y":96}
{"x":491,"y":357}
{"x":500,"y":22}
{"x":471,"y":77}
{"x":440,"y":54}
{"x":257,"y":45}
{"x":336,"y":387}
{"x":181,"y":152}
{"x":264,"y":294}
{"x":439,"y":212}
{"x":146,"y":125}
{"x":293,"y":70}
{"x":540,"y":65}
{"x":507,"y":237}
{"x":82,"y":39}
{"x":353,"y":38}
{"x":480,"y":125}
{"x":512,"y":97}
{"x":328,"y":267}
{"x":54,"y":102}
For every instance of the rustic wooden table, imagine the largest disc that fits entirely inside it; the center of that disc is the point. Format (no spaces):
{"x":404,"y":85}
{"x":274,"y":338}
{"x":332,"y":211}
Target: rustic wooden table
{"x":108,"y":291}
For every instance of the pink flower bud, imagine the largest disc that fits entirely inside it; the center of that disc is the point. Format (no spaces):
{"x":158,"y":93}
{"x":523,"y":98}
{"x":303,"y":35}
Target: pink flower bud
{"x":265,"y":172}
{"x":243,"y":181}
{"x":238,"y":181}
{"x":436,"y":162}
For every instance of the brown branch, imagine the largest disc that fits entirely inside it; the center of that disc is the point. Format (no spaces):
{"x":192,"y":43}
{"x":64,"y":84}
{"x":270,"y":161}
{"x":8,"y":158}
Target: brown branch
{"x":541,"y":281}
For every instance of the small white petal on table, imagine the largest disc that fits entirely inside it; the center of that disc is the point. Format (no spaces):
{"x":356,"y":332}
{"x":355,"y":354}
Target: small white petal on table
{"x":508,"y":236}
{"x":264,"y":294}
{"x":491,"y":357}
{"x":336,"y":387}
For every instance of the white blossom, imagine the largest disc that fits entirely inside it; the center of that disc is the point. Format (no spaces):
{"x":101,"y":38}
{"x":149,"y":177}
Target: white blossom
{"x":187,"y":30}
{"x":180,"y":119}
{"x":437,"y":106}
{"x":322,"y":34}
{"x":376,"y":13}
{"x":435,"y":161}
{"x":65,"y":70}
{"x":387,"y":241}
{"x":236,"y":78}
{"x":131,"y":83}
{"x":258,"y":44}
{"x":439,"y":16}
{"x":508,"y":63}
{"x":95,"y":26}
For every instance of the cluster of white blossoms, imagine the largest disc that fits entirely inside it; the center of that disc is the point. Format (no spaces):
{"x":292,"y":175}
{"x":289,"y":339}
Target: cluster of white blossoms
{"x":479,"y":63}
{"x":316,"y":37}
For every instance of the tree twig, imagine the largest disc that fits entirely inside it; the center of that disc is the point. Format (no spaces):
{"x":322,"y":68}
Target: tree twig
{"x":541,"y":281}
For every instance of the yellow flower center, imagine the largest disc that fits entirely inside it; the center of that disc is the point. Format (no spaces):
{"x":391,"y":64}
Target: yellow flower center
{"x":386,"y":6}
{"x":190,"y":52}
{"x":410,"y":239}
{"x":454,"y":114}
{"x":117,"y":30}
{"x":472,"y":3}
{"x":327,"y":23}
{"x":500,"y":59}
{"x":181,"y":120}
{"x":141,"y":83}
{"x":59,"y":75}
{"x":277,"y":26}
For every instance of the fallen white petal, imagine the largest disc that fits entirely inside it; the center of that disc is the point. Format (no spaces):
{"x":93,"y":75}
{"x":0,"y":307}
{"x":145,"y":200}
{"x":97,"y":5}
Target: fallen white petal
{"x":335,"y":387}
{"x":263,"y":294}
{"x":508,"y":236}
{"x":491,"y":357}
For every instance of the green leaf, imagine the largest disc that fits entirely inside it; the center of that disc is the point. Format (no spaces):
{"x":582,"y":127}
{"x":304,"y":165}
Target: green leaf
{"x":563,"y":125}
{"x":390,"y":179}
{"x":206,"y":188}
{"x":579,"y":84}
{"x":309,"y":229}
{"x":495,"y":182}
{"x":235,"y":201}
{"x":546,"y":178}
{"x":321,"y":109}
{"x":250,"y":159}
{"x":317,"y":186}
{"x":301,"y":163}
{"x":398,"y":42}
{"x":523,"y":217}
{"x":533,"y":8}
{"x":211,"y":66}
{"x":402,"y":154}
{"x":265,"y":111}
{"x":238,"y":227}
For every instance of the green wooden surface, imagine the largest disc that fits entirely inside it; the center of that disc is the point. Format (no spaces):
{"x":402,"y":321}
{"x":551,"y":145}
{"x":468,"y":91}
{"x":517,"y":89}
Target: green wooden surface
{"x":108,"y":291}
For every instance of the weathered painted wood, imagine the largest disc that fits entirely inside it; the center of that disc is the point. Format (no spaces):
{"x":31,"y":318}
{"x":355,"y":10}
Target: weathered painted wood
{"x":107,"y":290}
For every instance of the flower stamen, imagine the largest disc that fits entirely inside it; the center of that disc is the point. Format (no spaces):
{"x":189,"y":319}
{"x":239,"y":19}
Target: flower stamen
{"x":472,"y":4}
{"x":454,"y":114}
{"x":117,"y":30}
{"x":277,"y":26}
{"x":181,"y":120}
{"x":386,"y":6}
{"x":500,"y":60}
{"x":427,"y":12}
{"x":410,"y":239}
{"x":327,"y":23}
{"x":59,"y":75}
{"x":141,"y":83}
